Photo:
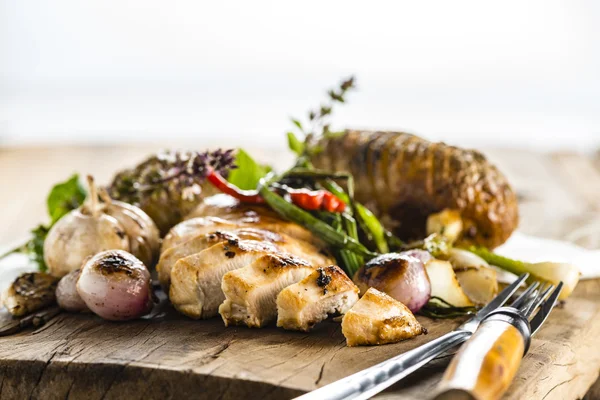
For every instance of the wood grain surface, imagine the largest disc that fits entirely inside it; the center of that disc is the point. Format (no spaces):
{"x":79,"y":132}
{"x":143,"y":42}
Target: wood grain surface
{"x":169,"y":356}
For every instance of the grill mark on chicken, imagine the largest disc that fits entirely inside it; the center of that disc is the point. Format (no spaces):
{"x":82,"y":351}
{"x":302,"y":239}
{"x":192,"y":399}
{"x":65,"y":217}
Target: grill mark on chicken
{"x":323,"y":279}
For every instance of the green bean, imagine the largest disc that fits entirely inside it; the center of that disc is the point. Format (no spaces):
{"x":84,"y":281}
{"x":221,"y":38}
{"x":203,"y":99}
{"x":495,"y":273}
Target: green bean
{"x":514,"y":266}
{"x":339,"y":192}
{"x":318,"y":227}
{"x":346,"y":259}
{"x":372,"y":226}
{"x":355,"y":261}
{"x":315,"y":174}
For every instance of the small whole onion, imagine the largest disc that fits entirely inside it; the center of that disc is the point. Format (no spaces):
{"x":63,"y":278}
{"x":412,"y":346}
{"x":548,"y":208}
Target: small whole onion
{"x":401,"y":275}
{"x":116,"y":285}
{"x":422,"y":255}
{"x":67,"y":296}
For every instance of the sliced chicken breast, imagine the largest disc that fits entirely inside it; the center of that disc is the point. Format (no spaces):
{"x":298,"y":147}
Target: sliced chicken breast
{"x":196,"y":279}
{"x":325,"y":291}
{"x":258,"y":216}
{"x":191,"y":228}
{"x":379,"y":319}
{"x":195,"y":245}
{"x":251,"y":292}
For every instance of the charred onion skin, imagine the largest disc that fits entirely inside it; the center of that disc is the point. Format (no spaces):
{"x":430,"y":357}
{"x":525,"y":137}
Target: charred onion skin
{"x":405,"y":178}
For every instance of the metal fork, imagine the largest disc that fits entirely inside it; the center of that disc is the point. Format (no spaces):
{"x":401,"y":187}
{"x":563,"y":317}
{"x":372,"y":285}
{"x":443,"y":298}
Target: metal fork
{"x":370,"y":381}
{"x":487,"y":363}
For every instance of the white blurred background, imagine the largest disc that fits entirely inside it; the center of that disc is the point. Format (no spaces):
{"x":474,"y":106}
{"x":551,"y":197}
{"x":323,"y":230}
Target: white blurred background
{"x":512,"y":73}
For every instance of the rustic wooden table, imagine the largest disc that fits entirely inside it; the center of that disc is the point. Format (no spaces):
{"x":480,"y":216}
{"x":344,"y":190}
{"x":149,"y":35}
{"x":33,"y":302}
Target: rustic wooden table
{"x":174,"y":357}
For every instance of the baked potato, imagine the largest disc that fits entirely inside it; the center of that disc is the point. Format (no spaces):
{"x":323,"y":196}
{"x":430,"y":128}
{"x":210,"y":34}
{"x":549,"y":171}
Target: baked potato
{"x":404,"y":179}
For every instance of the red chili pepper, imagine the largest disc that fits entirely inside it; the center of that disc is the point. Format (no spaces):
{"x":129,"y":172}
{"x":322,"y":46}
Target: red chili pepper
{"x":247,"y":196}
{"x":316,"y":200}
{"x":330,"y":202}
{"x":303,"y":198}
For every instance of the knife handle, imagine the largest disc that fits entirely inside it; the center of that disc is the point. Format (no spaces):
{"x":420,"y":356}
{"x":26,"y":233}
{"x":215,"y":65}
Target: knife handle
{"x":485,"y":366}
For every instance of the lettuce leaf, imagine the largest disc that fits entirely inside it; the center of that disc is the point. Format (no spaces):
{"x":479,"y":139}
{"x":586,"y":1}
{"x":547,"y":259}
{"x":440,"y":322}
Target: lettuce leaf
{"x":248,"y":172}
{"x":64,"y":197}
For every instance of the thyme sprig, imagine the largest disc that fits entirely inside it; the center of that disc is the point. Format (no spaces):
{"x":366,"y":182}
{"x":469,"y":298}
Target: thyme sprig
{"x":441,"y":309}
{"x":319,"y":119}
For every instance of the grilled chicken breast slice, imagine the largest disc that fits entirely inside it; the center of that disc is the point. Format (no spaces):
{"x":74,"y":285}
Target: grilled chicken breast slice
{"x":258,"y":216}
{"x":284,"y":242}
{"x":251,"y":292}
{"x":325,"y":291}
{"x":379,"y":319}
{"x":196,"y":279}
{"x":191,"y":228}
{"x":202,"y":241}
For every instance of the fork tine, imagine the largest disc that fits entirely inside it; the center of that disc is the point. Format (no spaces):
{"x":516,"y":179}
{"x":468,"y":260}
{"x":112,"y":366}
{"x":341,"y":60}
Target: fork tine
{"x":525,"y":295}
{"x":545,"y":309}
{"x":542,"y":295}
{"x":537,"y":300}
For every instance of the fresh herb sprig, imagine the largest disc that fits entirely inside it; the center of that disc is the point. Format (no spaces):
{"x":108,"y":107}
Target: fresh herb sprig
{"x":319,"y":120}
{"x":63,"y":197}
{"x":439,"y":308}
{"x":169,"y":185}
{"x":169,"y":171}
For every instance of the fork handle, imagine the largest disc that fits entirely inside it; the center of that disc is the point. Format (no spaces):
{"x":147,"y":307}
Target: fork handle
{"x":368,"y":382}
{"x":485,"y":366}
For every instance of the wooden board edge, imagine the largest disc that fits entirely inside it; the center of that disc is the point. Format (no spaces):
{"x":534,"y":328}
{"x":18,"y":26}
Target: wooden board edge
{"x":72,"y":380}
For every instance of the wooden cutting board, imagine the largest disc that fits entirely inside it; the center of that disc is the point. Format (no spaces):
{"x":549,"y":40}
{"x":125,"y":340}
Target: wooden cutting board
{"x":170,"y":356}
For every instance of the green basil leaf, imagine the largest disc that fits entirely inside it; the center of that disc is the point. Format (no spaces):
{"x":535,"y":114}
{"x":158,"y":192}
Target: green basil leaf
{"x":64,"y":197}
{"x":297,"y":123}
{"x":248,"y":172}
{"x":295,"y":144}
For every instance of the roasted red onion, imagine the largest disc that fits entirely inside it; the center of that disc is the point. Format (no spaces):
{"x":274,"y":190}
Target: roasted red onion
{"x":400,"y":275}
{"x":115,"y":285}
{"x":422,"y":255}
{"x":67,"y":296}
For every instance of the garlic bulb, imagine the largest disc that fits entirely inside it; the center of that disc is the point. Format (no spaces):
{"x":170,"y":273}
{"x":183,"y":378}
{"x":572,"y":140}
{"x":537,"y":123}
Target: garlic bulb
{"x":96,"y":227}
{"x":144,"y":238}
